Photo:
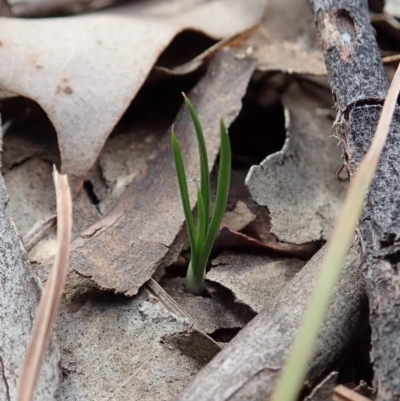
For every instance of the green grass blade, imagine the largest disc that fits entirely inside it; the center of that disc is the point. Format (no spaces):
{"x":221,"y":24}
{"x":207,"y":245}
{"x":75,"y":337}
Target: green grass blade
{"x":224,"y":178}
{"x":295,"y":370}
{"x":180,"y":172}
{"x":201,"y":223}
{"x":204,"y":174}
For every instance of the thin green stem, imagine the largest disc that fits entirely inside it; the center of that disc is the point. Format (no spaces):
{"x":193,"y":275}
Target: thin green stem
{"x":194,"y":280}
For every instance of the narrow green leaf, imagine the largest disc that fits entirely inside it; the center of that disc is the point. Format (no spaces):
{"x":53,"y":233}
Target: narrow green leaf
{"x":224,"y":178}
{"x":181,"y":174}
{"x":204,"y":174}
{"x":201,"y":223}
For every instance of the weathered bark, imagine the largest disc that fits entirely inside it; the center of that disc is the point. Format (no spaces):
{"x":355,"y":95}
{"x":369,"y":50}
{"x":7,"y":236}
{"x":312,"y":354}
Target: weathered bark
{"x":359,"y":86}
{"x":247,"y":368}
{"x":19,"y":298}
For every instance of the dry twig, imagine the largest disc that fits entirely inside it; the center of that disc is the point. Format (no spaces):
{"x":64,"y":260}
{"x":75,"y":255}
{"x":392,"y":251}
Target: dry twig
{"x":342,"y":393}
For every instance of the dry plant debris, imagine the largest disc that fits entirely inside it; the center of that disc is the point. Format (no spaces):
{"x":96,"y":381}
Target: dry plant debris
{"x":211,"y":313}
{"x":250,"y":364}
{"x":254,"y":280}
{"x":50,"y":301}
{"x":303,"y":201}
{"x":42,"y":8}
{"x":323,"y":391}
{"x":359,"y":103}
{"x":342,"y":393}
{"x":248,"y":225}
{"x":108,"y":252}
{"x":84,"y":77}
{"x":295,"y":49}
{"x":19,"y":299}
{"x":113,"y":347}
{"x":41,"y":207}
{"x":94,"y":87}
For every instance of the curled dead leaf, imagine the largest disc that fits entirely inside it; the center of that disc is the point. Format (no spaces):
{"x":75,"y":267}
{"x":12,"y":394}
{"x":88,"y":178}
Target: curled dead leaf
{"x":298,"y":184}
{"x":85,"y":70}
{"x":122,"y":251}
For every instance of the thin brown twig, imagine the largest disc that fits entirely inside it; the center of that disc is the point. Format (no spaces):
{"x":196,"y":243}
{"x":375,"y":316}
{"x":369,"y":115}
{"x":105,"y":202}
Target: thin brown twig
{"x":395,"y":58}
{"x":342,"y":393}
{"x":38,"y":231}
{"x":50,"y":301}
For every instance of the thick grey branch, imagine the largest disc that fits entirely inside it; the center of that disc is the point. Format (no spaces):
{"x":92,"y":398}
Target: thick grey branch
{"x":359,"y":85}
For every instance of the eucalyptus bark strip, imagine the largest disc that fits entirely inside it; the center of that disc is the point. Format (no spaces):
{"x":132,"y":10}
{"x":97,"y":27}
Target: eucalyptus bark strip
{"x":359,"y":87}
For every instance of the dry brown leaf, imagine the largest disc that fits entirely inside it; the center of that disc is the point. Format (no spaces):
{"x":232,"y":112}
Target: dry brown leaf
{"x":32,"y":180}
{"x":125,"y":154}
{"x":287,"y":41}
{"x":298,"y":184}
{"x":386,"y":25}
{"x":85,"y":70}
{"x":236,"y":40}
{"x":50,"y":300}
{"x":254,"y":233}
{"x":239,"y":217}
{"x":29,"y":134}
{"x":41,"y":8}
{"x":254,"y":280}
{"x":392,"y":7}
{"x":210,"y":313}
{"x":228,"y":238}
{"x":113,"y":350}
{"x":123,"y":251}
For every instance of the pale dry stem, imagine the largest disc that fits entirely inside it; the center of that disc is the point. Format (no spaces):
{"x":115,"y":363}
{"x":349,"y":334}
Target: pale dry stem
{"x":50,"y":301}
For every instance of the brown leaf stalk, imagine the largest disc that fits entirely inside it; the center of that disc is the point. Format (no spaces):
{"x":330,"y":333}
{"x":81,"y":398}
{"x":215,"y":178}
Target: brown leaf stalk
{"x":50,"y":301}
{"x":342,"y":393}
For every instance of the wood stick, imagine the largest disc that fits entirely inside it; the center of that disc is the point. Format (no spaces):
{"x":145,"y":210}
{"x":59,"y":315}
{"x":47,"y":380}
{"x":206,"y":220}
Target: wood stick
{"x":247,"y":368}
{"x":359,"y":87}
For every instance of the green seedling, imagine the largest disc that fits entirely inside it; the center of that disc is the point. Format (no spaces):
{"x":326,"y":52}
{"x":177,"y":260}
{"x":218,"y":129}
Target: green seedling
{"x":202,"y":236}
